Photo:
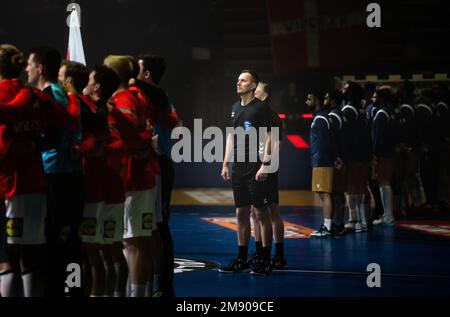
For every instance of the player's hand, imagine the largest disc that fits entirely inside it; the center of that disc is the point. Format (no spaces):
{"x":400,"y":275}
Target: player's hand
{"x":110,"y":105}
{"x":261,"y":175}
{"x":224,"y":174}
{"x":338,"y":163}
{"x":69,"y":88}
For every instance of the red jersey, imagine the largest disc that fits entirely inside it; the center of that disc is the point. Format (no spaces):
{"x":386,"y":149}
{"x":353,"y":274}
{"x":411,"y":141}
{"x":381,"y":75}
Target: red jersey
{"x":25,"y":115}
{"x":92,"y":151}
{"x":21,"y":170}
{"x":129,"y":114}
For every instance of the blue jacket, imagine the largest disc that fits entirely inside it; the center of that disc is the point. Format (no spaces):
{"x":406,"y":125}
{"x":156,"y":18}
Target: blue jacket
{"x":337,"y":131}
{"x":407,"y":126}
{"x":58,"y":159}
{"x":383,"y":138}
{"x":357,"y":134}
{"x":322,"y":153}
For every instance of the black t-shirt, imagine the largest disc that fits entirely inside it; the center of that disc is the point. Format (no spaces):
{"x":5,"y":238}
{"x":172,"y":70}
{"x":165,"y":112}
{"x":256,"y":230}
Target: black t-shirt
{"x":255,"y":115}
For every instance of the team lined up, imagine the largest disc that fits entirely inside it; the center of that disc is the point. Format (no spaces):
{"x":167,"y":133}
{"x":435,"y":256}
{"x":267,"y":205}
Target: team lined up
{"x":375,"y":138}
{"x":85,"y":153}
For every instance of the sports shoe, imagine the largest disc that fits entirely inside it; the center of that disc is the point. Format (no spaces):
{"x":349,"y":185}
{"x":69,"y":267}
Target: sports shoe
{"x":338,"y":230}
{"x":157,"y":294}
{"x":264,"y":268}
{"x":378,"y":221}
{"x":350,"y":225}
{"x":389,"y":221}
{"x":360,"y":227}
{"x":278,"y":262}
{"x":235,"y":266}
{"x":255,"y":259}
{"x":386,"y":221}
{"x":321,"y":233}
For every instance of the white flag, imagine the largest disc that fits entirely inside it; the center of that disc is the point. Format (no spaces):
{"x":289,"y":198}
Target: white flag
{"x":75,"y":51}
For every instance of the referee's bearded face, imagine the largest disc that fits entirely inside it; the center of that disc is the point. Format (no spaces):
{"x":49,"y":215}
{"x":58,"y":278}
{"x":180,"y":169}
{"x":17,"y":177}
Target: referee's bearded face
{"x":245,"y":84}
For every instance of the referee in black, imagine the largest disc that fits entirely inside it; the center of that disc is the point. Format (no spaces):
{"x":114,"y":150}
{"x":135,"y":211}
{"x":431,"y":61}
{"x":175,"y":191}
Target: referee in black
{"x":249,"y":173}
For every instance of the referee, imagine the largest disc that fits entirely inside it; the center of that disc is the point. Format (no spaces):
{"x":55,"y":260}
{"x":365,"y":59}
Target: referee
{"x":249,"y":175}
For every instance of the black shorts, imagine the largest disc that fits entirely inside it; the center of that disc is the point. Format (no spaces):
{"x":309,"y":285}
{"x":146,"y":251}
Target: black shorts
{"x":272,"y":180}
{"x":246,"y":190}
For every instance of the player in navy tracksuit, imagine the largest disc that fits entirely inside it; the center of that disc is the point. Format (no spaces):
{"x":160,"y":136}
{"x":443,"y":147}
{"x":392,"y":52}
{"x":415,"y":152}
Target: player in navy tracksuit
{"x":377,"y":212}
{"x":358,"y":137}
{"x":333,"y":100}
{"x":323,"y":159}
{"x":383,"y":142}
{"x":429,"y":145}
{"x":408,"y":145}
{"x":442,"y":108}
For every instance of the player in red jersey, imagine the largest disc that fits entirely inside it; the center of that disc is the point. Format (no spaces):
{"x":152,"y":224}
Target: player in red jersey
{"x":25,"y":115}
{"x":127,"y":111}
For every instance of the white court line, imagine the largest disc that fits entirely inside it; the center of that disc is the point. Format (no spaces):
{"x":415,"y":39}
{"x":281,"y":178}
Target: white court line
{"x":360,"y":273}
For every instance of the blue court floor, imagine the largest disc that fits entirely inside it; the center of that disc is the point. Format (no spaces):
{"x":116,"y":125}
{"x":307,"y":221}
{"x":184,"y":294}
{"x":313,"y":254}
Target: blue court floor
{"x":412,"y":262}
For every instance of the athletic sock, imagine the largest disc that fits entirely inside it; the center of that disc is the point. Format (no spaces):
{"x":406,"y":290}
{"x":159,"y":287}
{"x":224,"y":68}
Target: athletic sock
{"x":352,"y":205}
{"x":137,"y":290}
{"x":149,"y":289}
{"x":327,"y":223}
{"x":156,"y":282}
{"x":243,"y":251}
{"x":267,"y":252}
{"x":32,"y":284}
{"x":362,"y":209}
{"x":279,"y":250}
{"x":11,"y":284}
{"x":386,"y":199}
{"x":259,"y":248}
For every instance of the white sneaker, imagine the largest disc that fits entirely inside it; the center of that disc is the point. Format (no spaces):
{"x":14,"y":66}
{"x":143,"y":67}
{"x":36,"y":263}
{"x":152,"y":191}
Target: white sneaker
{"x":350,"y":225}
{"x":389,"y":221}
{"x":378,"y":221}
{"x":360,"y":227}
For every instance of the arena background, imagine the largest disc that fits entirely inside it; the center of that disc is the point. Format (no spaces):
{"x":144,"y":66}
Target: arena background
{"x":295,"y":45}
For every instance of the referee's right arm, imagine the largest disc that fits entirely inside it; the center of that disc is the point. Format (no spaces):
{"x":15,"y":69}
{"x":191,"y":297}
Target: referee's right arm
{"x":228,"y":152}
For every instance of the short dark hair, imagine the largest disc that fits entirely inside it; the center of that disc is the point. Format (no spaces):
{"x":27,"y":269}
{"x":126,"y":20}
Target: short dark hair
{"x":50,"y":58}
{"x":79,"y":74}
{"x":318,"y":95}
{"x":155,"y":64}
{"x":369,"y":87}
{"x":12,"y":61}
{"x":135,"y":64}
{"x":108,"y":80}
{"x":252,"y":73}
{"x":385,"y":92}
{"x":356,"y":93}
{"x":336,"y":95}
{"x":267,"y":88}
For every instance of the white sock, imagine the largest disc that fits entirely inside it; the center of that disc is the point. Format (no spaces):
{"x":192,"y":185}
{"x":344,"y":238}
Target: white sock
{"x":362,"y":209}
{"x":352,"y":206}
{"x":11,"y":284}
{"x":149,"y":289}
{"x":386,"y":198}
{"x":137,"y":290}
{"x":327,"y":222}
{"x":156,"y":282}
{"x":110,"y":277}
{"x":119,"y":277}
{"x":32,"y":286}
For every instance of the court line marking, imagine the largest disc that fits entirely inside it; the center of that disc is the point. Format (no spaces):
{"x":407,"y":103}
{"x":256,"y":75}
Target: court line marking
{"x":361,"y":273}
